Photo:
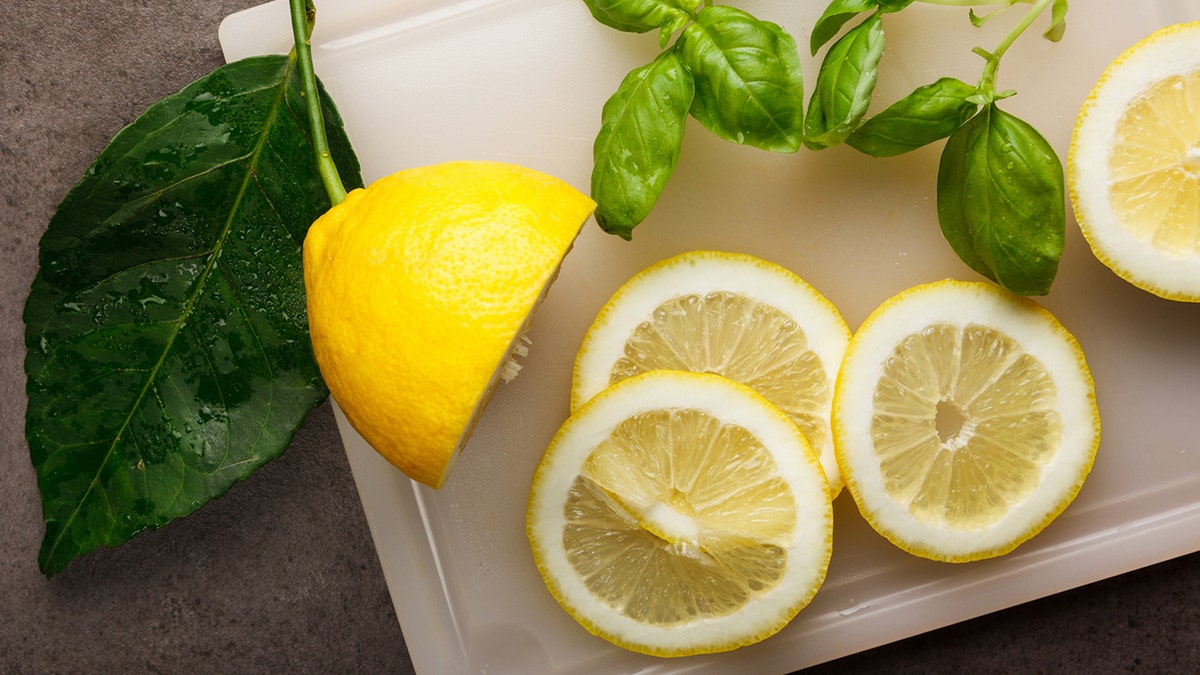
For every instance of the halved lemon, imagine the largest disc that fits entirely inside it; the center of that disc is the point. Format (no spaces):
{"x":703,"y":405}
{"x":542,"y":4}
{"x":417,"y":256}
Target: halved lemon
{"x":965,"y":420}
{"x":419,"y":287}
{"x":1133,"y":169}
{"x":680,"y":513}
{"x":729,"y":314}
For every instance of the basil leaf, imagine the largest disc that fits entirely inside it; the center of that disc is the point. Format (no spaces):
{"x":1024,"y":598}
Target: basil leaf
{"x":930,"y":113}
{"x":167,"y":349}
{"x":638,"y":145}
{"x":1058,"y":21}
{"x":1000,"y":201}
{"x":641,"y":16}
{"x":835,"y":16}
{"x":748,"y":83}
{"x":844,"y":85}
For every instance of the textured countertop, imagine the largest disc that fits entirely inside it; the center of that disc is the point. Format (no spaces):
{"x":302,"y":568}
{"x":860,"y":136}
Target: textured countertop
{"x":280,"y":575}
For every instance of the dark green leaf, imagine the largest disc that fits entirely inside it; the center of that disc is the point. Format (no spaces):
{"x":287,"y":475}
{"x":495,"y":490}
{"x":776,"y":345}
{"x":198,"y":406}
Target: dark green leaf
{"x":1058,"y":21}
{"x":641,"y":16}
{"x":844,"y":85}
{"x":638,"y":145}
{"x":1000,"y":201}
{"x":891,"y":6}
{"x":835,"y":16}
{"x":167,"y":351}
{"x":928,"y":114}
{"x":748,"y":83}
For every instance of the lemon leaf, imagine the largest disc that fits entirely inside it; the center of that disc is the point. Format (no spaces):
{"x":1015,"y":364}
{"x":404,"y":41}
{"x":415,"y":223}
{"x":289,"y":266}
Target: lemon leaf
{"x":167,"y":347}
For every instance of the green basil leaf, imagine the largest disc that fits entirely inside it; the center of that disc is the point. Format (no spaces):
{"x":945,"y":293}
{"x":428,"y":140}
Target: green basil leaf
{"x":844,"y":85}
{"x":835,"y":16}
{"x":638,"y":145}
{"x":748,"y":83}
{"x":1000,"y":201}
{"x":930,"y":113}
{"x":891,"y":6}
{"x":167,"y":348}
{"x":641,"y":16}
{"x":1058,"y":21}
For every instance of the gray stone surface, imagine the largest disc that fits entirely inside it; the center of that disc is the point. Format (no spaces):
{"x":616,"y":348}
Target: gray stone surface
{"x":280,"y":574}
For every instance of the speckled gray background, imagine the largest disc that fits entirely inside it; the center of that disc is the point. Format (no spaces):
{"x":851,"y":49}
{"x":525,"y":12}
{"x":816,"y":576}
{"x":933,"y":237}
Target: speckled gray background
{"x":280,"y":574}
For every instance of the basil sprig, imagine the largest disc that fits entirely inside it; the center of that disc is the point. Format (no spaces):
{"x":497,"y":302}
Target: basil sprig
{"x":1000,"y":196}
{"x":735,"y":74}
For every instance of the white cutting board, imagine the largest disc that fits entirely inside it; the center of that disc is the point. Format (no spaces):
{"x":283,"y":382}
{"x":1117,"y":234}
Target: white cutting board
{"x":422,"y":81}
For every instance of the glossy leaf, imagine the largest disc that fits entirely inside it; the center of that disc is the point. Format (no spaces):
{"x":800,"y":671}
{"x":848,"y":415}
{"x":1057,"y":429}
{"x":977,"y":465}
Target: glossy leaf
{"x":749,"y":87}
{"x":1000,"y":201}
{"x":844,"y":85}
{"x":834,"y":17}
{"x":167,"y":350}
{"x":638,"y":146}
{"x":930,"y":113}
{"x":641,"y":16}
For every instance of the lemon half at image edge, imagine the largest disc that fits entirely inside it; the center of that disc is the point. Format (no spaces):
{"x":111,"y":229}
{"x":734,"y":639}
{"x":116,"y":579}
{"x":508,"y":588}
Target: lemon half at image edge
{"x":418,"y":288}
{"x":1133,"y":169}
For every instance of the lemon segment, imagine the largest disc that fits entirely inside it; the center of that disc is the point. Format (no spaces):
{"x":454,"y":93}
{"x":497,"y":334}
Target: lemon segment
{"x":1133,"y":169}
{"x":680,"y":513}
{"x":729,"y":314}
{"x":965,"y":420}
{"x":418,"y":287}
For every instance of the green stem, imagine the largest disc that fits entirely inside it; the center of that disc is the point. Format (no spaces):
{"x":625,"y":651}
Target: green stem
{"x":303,"y":17}
{"x":987,"y":83}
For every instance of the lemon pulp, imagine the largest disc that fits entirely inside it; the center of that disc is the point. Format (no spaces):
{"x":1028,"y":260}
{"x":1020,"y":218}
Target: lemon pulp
{"x":682,"y":541}
{"x":1155,"y":165}
{"x":964,"y":420}
{"x":732,"y":335}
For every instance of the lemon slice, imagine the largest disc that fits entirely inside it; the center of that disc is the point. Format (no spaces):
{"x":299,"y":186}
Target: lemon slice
{"x":1133,"y":169}
{"x":729,"y":314}
{"x":418,"y":288}
{"x":965,"y":420}
{"x":680,"y":513}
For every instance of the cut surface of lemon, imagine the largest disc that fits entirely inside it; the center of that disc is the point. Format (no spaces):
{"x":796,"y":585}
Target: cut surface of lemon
{"x":1133,"y":169}
{"x":418,"y":287}
{"x":680,"y":513}
{"x":965,"y":420}
{"x":730,"y":314}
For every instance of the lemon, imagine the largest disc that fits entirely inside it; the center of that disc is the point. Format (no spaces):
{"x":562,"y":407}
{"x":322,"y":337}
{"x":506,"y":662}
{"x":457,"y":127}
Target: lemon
{"x":418,"y":287}
{"x":730,"y":314}
{"x":680,"y":513}
{"x":965,"y":420}
{"x":1133,"y":169}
